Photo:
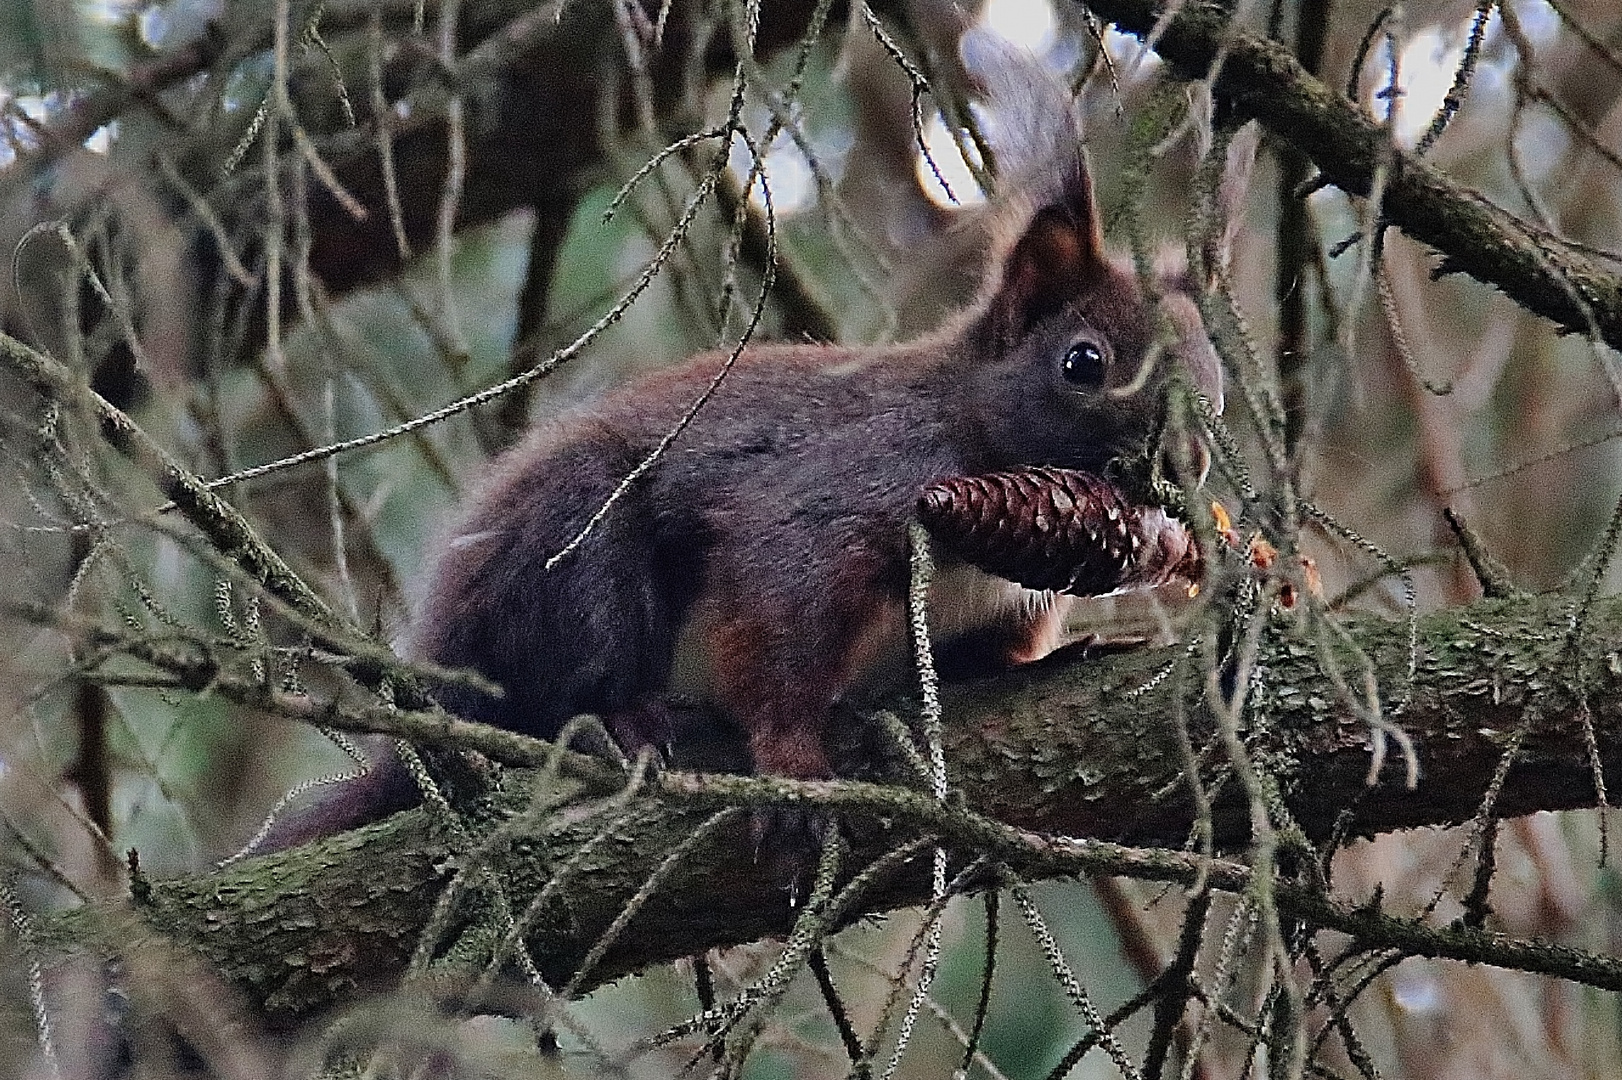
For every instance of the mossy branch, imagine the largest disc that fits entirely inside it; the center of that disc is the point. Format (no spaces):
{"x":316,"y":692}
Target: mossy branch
{"x":1057,"y":770}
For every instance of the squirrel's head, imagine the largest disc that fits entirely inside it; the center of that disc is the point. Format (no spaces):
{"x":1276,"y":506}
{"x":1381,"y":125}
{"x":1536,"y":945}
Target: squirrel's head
{"x":1068,"y":361}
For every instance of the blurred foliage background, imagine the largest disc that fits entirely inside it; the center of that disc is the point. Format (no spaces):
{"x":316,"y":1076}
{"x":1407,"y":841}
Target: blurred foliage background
{"x":136,"y":139}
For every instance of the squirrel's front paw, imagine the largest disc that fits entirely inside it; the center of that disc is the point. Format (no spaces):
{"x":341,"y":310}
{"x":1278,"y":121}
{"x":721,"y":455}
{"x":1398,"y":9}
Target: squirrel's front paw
{"x":788,"y":842}
{"x":646,"y":725}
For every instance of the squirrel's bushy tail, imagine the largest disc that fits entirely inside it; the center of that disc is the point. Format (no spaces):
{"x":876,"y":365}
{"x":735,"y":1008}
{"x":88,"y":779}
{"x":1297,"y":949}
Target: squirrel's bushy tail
{"x":1031,"y":118}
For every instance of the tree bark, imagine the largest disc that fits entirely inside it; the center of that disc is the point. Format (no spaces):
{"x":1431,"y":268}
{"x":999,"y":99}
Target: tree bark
{"x":1058,"y":769}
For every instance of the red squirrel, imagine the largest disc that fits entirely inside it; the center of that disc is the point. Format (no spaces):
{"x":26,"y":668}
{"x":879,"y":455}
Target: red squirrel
{"x":763,"y":560}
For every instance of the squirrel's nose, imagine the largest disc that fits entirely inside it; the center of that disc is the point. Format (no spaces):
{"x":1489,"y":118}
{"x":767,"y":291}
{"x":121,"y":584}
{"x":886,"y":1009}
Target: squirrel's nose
{"x":1198,"y":356}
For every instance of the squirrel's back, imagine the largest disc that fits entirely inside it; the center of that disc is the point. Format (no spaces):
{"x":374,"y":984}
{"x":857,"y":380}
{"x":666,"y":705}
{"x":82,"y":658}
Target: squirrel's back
{"x":802,"y":452}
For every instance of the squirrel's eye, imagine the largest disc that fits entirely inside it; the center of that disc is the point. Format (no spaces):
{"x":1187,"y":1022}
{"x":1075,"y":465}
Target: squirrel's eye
{"x":1084,"y":364}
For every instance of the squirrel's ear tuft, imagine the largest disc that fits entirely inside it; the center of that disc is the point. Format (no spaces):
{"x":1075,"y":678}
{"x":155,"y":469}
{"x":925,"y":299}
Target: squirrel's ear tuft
{"x":1036,"y":132}
{"x":1058,"y":256}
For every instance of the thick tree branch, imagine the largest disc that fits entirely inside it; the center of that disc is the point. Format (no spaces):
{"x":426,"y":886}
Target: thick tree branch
{"x":1261,"y":79}
{"x":1063,"y":750}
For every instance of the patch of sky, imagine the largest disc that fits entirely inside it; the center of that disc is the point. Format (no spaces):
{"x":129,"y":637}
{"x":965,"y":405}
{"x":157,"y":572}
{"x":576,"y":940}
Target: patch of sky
{"x":1027,"y":24}
{"x":167,"y":25}
{"x":784,"y":170}
{"x":1429,"y":59}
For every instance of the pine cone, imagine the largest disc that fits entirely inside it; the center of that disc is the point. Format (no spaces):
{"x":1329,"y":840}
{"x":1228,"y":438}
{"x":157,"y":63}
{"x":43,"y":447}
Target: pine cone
{"x":1059,"y":529}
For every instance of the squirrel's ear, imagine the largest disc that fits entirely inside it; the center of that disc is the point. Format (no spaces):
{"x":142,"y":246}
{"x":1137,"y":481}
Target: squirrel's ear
{"x":1058,"y":256}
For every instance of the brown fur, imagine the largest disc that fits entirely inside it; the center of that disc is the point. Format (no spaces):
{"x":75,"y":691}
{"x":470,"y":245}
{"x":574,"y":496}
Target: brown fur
{"x":771,"y":535}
